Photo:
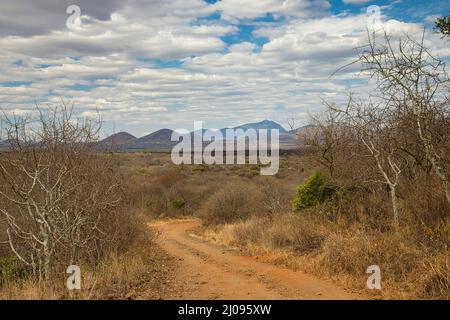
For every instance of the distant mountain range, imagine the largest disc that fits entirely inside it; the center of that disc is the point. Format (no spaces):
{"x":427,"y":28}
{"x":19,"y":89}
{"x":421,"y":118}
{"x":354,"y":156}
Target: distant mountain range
{"x":266,"y":124}
{"x":4,"y":144}
{"x":160,"y":140}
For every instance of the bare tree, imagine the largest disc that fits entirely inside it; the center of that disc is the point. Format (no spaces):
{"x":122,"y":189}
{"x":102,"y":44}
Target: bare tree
{"x":291,"y":124}
{"x":373,"y":125}
{"x":415,"y":82}
{"x":55,"y":192}
{"x":327,"y":136}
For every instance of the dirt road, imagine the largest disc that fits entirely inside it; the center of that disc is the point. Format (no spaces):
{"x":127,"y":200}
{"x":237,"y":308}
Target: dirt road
{"x":209,"y":271}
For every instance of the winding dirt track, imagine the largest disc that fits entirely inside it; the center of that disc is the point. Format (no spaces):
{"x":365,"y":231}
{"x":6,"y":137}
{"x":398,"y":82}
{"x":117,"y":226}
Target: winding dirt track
{"x":213,"y":272}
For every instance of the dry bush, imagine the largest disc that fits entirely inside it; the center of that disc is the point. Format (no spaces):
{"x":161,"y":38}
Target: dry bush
{"x":353,"y":251}
{"x":169,"y":178}
{"x":168,"y":192}
{"x":407,"y":270}
{"x":245,"y":233}
{"x":158,"y":189}
{"x":56,"y":193}
{"x":368,"y":208}
{"x":61,"y":202}
{"x":117,"y":276}
{"x":388,"y":155}
{"x":152,"y":192}
{"x":296,"y":232}
{"x":426,"y":215}
{"x":155,"y":200}
{"x":276,"y":195}
{"x":234,"y":202}
{"x":201,"y":187}
{"x":123,"y":266}
{"x":434,"y":282}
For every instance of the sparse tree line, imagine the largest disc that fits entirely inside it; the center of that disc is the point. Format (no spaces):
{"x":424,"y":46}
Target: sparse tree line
{"x":398,"y":138}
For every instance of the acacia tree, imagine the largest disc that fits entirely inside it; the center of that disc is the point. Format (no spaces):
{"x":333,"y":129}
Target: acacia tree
{"x":328,"y":136}
{"x":55,"y":193}
{"x":372,"y":123}
{"x":415,"y":83}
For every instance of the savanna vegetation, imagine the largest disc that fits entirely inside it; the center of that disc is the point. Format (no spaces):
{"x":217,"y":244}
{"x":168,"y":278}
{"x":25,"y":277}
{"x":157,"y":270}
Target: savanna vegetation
{"x":369,"y":186}
{"x":379,"y":192}
{"x":371,"y":189}
{"x":63,"y":204}
{"x":337,"y":236}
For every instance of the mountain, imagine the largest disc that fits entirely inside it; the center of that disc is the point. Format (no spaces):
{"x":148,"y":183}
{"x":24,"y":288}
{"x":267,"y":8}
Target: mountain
{"x":266,"y":124}
{"x":119,"y":138}
{"x":161,"y":135}
{"x":158,"y":140}
{"x":4,"y":144}
{"x":116,"y":141}
{"x":302,"y":129}
{"x":161,"y":140}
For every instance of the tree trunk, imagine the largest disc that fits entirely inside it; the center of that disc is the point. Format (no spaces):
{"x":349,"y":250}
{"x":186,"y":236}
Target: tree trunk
{"x":447,"y":190}
{"x":394,"y":203}
{"x":46,"y":252}
{"x":431,"y":154}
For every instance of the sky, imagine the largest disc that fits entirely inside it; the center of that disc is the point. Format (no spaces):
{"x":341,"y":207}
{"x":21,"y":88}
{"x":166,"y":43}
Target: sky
{"x":146,"y":65}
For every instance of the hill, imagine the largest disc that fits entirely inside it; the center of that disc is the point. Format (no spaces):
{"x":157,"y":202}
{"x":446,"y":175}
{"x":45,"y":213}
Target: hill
{"x":160,"y":140}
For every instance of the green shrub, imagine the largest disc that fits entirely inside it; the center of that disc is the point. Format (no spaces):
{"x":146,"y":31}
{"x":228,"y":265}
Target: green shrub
{"x":11,"y":268}
{"x":199,"y":168}
{"x":142,"y":172}
{"x":178,"y":203}
{"x":155,"y":203}
{"x":315,"y":190}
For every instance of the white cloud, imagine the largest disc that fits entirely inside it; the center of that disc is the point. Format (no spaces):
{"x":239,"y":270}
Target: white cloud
{"x":356,"y":1}
{"x":235,"y":9}
{"x":220,"y":84}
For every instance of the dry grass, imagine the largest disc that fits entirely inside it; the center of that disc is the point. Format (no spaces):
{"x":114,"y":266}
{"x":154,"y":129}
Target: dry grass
{"x":129,"y":257}
{"x":408,"y":271}
{"x":338,"y":239}
{"x":139,"y":273}
{"x":111,"y":279}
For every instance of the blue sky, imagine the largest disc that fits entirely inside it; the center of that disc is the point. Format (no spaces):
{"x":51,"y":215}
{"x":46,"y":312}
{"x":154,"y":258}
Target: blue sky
{"x":151,"y":64}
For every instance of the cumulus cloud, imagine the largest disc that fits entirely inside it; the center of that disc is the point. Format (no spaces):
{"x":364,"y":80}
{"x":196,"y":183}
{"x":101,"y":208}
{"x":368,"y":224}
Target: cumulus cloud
{"x":356,"y":1}
{"x":149,"y":64}
{"x":234,"y":9}
{"x":26,"y":18}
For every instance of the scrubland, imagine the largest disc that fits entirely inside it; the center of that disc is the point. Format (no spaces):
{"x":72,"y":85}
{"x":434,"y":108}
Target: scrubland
{"x":370,"y":185}
{"x":63,"y":204}
{"x":338,"y":238}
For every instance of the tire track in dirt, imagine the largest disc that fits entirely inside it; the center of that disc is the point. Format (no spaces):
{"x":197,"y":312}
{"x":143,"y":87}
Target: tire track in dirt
{"x":209,"y":271}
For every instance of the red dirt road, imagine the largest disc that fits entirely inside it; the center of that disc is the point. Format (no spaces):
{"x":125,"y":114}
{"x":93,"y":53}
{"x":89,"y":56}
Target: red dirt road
{"x":209,"y":271}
